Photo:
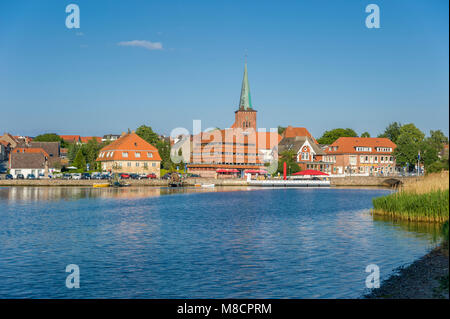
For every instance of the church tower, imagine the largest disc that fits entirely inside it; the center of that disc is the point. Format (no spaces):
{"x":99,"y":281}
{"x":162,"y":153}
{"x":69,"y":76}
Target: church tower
{"x":245,"y":116}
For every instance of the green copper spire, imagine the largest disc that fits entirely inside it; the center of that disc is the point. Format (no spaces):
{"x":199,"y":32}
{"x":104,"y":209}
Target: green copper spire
{"x":246,"y":100}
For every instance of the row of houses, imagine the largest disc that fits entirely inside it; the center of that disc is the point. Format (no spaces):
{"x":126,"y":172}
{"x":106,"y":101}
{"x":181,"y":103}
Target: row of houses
{"x":244,"y":149}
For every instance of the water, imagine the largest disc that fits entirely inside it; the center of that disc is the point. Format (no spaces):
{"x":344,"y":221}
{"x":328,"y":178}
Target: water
{"x":259,"y":243}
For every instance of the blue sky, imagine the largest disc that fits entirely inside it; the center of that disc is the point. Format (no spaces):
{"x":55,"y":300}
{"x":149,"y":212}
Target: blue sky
{"x":310,"y":63}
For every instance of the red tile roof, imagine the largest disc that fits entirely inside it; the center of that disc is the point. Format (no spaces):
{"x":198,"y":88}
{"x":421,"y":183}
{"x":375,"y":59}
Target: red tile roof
{"x":71,"y":138}
{"x":131,"y":144}
{"x":86,"y":139}
{"x":30,"y":150}
{"x":347,"y":145}
{"x":297,"y":131}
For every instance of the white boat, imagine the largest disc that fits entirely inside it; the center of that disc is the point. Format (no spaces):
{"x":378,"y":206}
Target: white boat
{"x":208,"y":185}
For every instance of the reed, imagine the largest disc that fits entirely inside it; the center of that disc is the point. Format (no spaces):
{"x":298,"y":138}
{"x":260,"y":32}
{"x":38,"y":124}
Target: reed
{"x":422,"y":199}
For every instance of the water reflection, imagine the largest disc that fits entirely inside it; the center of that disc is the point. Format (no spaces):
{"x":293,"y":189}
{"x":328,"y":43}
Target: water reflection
{"x":75,"y":193}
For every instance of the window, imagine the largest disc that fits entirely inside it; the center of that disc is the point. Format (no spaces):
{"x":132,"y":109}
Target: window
{"x":129,"y":164}
{"x":305,"y":156}
{"x":153,"y":164}
{"x":392,"y":159}
{"x":137,"y":164}
{"x":149,"y":154}
{"x":137,"y":154}
{"x":363,"y":149}
{"x":145,"y":165}
{"x":352,"y":160}
{"x":376,"y":159}
{"x":124,"y":154}
{"x":361,"y":159}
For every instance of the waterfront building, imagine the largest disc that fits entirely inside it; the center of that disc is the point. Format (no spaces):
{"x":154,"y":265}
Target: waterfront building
{"x":362,"y":156}
{"x":308,"y":153}
{"x":130,"y":154}
{"x":237,"y":150}
{"x":26,"y":163}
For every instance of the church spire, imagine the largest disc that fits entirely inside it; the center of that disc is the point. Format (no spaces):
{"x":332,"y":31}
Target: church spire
{"x":245,"y":102}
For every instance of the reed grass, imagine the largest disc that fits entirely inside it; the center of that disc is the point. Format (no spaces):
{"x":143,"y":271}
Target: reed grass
{"x":422,"y":199}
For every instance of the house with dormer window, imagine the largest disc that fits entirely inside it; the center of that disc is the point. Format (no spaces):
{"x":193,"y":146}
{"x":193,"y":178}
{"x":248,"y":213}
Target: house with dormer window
{"x":130,"y":154}
{"x":372,"y":156}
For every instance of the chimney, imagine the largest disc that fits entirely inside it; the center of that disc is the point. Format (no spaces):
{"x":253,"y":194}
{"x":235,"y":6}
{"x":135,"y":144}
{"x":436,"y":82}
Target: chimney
{"x":123,"y":134}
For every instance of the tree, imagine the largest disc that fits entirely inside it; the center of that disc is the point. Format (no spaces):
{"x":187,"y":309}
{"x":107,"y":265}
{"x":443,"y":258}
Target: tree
{"x":288,"y":157}
{"x":72,"y":151}
{"x":147,"y":134}
{"x":50,"y":137}
{"x":79,"y":162}
{"x":392,"y":132}
{"x":365,"y":134}
{"x":163,"y":146}
{"x":437,"y":140}
{"x":409,"y":142}
{"x":90,"y":152}
{"x":281,"y":129}
{"x":330,"y":136}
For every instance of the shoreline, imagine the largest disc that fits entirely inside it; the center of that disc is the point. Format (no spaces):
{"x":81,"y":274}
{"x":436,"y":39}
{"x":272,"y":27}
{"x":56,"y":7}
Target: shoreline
{"x":423,"y":279}
{"x":379,"y":182}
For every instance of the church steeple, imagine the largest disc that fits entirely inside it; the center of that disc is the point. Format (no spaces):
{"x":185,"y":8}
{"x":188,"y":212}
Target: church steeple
{"x":245,"y":102}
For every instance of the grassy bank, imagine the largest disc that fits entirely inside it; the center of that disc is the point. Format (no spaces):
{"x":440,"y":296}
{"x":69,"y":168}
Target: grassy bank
{"x":422,"y":199}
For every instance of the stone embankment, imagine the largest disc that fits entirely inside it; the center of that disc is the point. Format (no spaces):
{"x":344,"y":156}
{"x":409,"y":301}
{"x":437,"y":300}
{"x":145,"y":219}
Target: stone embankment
{"x":335,"y":181}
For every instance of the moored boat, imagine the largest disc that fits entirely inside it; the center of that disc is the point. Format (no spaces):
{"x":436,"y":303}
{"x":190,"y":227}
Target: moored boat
{"x":99,"y":185}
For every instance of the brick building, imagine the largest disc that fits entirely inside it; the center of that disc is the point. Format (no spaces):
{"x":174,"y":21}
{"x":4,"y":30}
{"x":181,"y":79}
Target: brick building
{"x":235,"y":151}
{"x":362,"y":155}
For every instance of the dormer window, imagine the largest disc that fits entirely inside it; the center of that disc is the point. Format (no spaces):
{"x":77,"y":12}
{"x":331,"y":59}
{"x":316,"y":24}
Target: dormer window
{"x":137,"y":154}
{"x":124,"y":154}
{"x":150,"y":155}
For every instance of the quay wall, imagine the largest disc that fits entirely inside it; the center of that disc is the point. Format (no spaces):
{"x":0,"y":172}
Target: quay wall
{"x":335,"y":181}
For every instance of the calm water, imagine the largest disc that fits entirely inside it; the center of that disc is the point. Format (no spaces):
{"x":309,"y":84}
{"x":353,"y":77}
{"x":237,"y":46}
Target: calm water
{"x":136,"y":243}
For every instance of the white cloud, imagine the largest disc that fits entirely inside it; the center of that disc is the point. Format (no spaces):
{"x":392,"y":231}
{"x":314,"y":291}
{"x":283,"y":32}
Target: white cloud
{"x":143,"y":44}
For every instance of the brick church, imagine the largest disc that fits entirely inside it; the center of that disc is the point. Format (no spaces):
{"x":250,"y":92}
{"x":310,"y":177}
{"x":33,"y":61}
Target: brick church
{"x":237,"y":150}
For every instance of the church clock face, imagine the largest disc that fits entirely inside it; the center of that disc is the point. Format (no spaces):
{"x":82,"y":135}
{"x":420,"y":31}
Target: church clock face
{"x":305,"y":148}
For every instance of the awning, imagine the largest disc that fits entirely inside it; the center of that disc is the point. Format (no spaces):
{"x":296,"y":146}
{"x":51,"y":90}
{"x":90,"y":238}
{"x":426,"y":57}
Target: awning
{"x":310,"y":172}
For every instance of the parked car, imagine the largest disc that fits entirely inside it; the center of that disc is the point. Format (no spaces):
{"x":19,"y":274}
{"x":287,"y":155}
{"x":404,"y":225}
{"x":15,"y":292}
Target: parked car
{"x":9,"y":176}
{"x":125,"y":176}
{"x":85,"y":176}
{"x":67,"y":176}
{"x":151,"y":176}
{"x":76,"y":176}
{"x":135,"y":176}
{"x":105,"y":176}
{"x":193,"y":175}
{"x":31,"y":176}
{"x":3,"y":170}
{"x":20,"y":176}
{"x":96,"y":175}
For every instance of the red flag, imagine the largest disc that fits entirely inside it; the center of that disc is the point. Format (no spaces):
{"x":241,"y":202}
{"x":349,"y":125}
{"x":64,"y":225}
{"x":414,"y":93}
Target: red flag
{"x":284,"y":170}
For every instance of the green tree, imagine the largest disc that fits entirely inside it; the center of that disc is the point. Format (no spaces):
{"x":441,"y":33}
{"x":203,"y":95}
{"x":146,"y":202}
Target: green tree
{"x":392,"y":132}
{"x":330,"y":136}
{"x":365,"y":134}
{"x":281,"y":129}
{"x":72,"y":151}
{"x":50,"y":137}
{"x":90,"y":152}
{"x":409,"y":142}
{"x":147,"y":134}
{"x":437,"y":140}
{"x":79,"y":162}
{"x":288,"y":157}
